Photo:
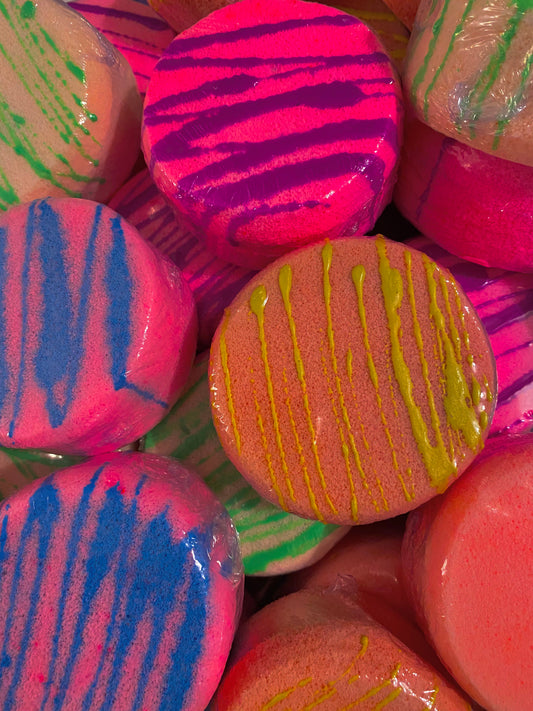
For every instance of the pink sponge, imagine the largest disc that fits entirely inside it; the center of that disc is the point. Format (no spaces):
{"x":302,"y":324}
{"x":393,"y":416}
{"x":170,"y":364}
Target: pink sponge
{"x":133,"y":28}
{"x":467,"y":559}
{"x":284,"y":130}
{"x":120,"y":587}
{"x":475,"y":205}
{"x":97,"y":330}
{"x":319,"y":650}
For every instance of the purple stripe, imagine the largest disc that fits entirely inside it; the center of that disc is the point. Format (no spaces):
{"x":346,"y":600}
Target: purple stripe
{"x":517,"y":312}
{"x":425,"y":195}
{"x":336,"y":95}
{"x":217,"y":87}
{"x":514,"y":349}
{"x":287,"y":177}
{"x":152,"y":23}
{"x":510,"y":391}
{"x":247,"y":216}
{"x":167,"y":63}
{"x":190,"y":44}
{"x":246,"y":155}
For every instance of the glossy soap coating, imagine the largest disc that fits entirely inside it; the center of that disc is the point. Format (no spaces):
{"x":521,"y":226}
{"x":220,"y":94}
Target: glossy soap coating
{"x":351,"y":381}
{"x":213,"y":281}
{"x":473,"y":204}
{"x":318,"y":650}
{"x":467,"y":561}
{"x":382,"y":21}
{"x":282,"y":134}
{"x":134,"y":29}
{"x":97,"y":330}
{"x":469,"y":73}
{"x":69,"y":107}
{"x":120,"y":582}
{"x":272,"y":541}
{"x":504,"y":302}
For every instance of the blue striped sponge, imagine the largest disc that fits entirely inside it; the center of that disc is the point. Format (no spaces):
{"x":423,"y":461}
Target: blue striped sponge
{"x":120,"y":589}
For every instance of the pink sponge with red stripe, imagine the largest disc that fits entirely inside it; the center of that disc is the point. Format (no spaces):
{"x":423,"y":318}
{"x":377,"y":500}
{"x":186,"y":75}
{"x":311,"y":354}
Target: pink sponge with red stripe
{"x":284,"y":130}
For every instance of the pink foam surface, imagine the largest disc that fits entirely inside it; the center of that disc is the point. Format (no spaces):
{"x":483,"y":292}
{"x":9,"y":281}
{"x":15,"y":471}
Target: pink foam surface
{"x":281,"y":135}
{"x":467,"y":558}
{"x":121,"y":587}
{"x":475,"y":205}
{"x":100,"y":329}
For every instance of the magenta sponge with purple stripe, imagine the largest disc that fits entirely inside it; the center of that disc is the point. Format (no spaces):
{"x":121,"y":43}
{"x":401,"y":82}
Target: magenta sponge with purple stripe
{"x":284,"y":128}
{"x":120,"y":588}
{"x":97,"y":330}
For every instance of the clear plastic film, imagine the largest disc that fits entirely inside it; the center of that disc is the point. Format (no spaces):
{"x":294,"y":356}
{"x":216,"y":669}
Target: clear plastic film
{"x":469,"y":73}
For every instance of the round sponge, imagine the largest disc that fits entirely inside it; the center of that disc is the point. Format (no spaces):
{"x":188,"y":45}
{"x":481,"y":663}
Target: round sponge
{"x":120,"y":584}
{"x":351,"y":381}
{"x":285,"y":128}
{"x":97,"y":330}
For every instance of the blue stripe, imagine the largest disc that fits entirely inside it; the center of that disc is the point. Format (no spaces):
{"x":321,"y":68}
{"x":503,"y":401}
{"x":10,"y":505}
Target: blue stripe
{"x":55,"y":341}
{"x":78,"y":525}
{"x":159,"y":576}
{"x":77,"y":350}
{"x":4,"y":370}
{"x":190,"y":637}
{"x":126,"y":544}
{"x":119,"y":286}
{"x":103,"y":548}
{"x":30,"y":227}
{"x":43,"y":512}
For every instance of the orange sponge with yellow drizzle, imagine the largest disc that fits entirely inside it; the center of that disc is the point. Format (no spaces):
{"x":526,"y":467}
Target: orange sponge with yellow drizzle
{"x":352,"y":381}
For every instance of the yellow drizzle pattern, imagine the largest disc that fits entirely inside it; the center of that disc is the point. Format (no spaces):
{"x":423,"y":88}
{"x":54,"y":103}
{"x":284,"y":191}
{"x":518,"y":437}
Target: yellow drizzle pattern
{"x":327,"y":253}
{"x":460,"y":412}
{"x":227,"y":380}
{"x":435,"y":433}
{"x":358,"y":278}
{"x":285,"y":284}
{"x":258,"y":302}
{"x":268,"y":456}
{"x":284,"y":694}
{"x":299,"y":448}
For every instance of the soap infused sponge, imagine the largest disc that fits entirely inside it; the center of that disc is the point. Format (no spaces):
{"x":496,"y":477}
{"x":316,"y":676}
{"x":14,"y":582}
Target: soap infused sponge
{"x":120,"y":589}
{"x":98,"y":330}
{"x":285,"y":128}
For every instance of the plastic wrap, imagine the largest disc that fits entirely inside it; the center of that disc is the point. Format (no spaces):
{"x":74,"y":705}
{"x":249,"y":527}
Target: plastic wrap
{"x":473,"y":204}
{"x":320,"y":649}
{"x":100,"y":329}
{"x":469,"y":73}
{"x":467,"y":563}
{"x":71,"y":111}
{"x":127,"y":577}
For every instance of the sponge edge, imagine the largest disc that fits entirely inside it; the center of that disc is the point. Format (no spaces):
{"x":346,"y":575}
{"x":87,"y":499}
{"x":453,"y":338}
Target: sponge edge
{"x":351,"y":381}
{"x":319,"y":649}
{"x":121,"y":586}
{"x":293,"y":135}
{"x":99,"y":330}
{"x":467,"y":562}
